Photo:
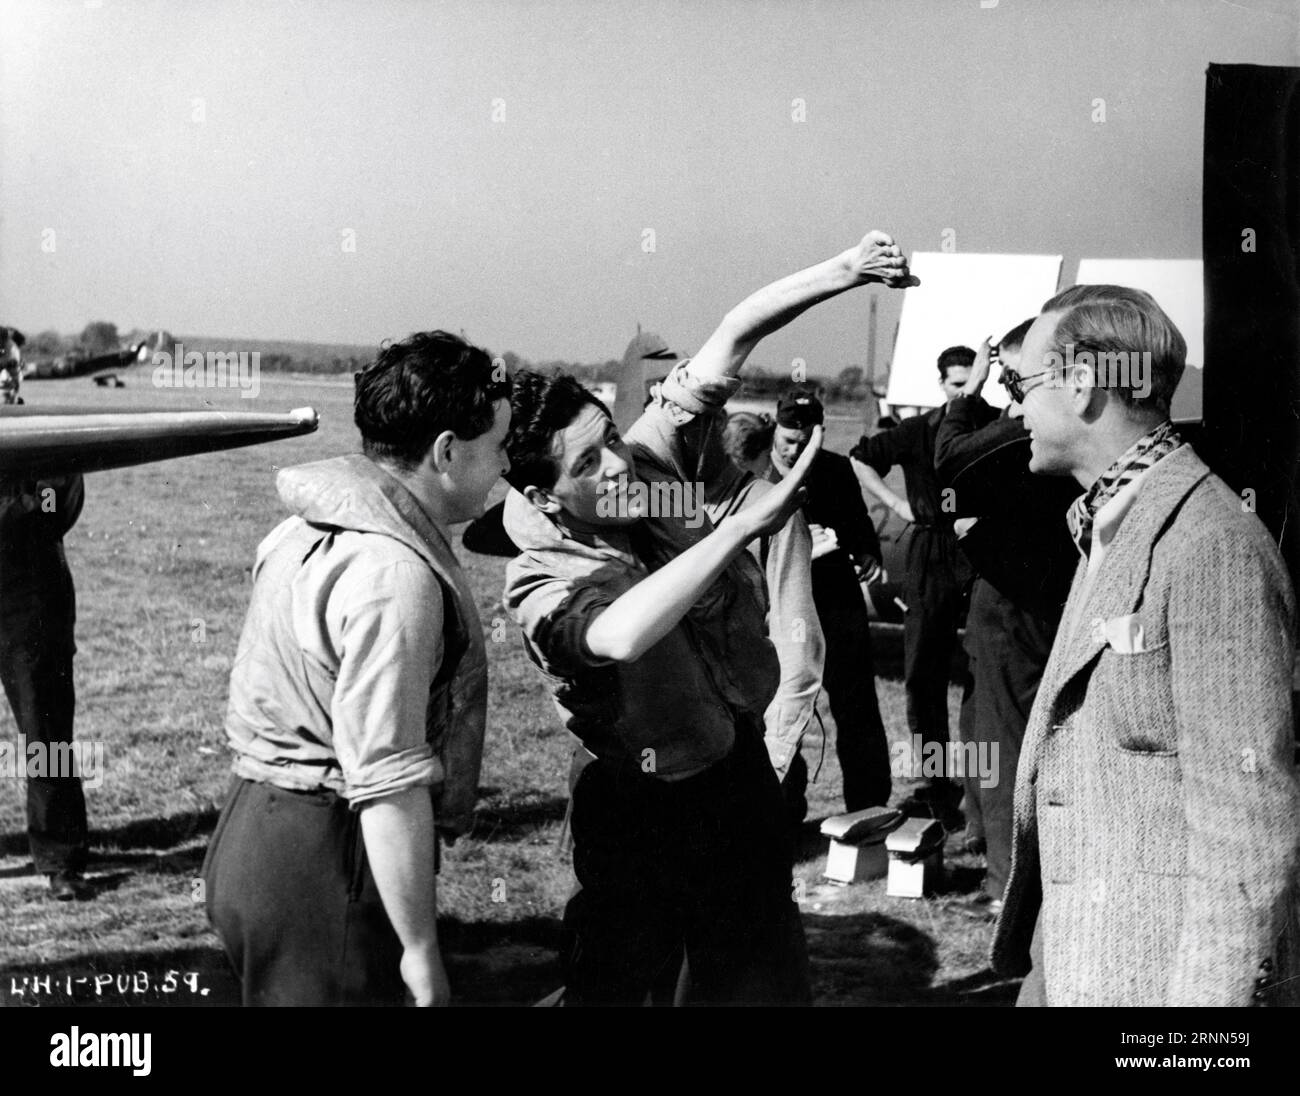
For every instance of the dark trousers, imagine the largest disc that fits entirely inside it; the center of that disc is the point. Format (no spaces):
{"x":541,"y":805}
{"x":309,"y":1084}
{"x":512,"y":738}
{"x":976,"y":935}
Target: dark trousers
{"x":937,"y":577}
{"x":1007,"y":649}
{"x":701,"y":865}
{"x":291,"y":895}
{"x":36,"y":649}
{"x":849,"y":682}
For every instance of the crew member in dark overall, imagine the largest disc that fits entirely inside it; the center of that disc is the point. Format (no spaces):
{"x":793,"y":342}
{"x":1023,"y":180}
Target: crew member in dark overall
{"x":37,"y":614}
{"x":937,"y":579}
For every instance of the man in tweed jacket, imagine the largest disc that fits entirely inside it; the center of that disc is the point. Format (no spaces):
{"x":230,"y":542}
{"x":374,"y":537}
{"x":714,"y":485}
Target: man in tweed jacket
{"x":1157,"y":806}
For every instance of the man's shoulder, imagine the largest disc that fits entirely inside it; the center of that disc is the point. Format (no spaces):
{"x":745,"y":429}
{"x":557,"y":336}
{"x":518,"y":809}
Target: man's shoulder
{"x":833,"y":473}
{"x":1211,"y":505}
{"x":918,"y":426}
{"x":1215,"y":526}
{"x":830,"y":464}
{"x":366,"y":549}
{"x":372,"y":566}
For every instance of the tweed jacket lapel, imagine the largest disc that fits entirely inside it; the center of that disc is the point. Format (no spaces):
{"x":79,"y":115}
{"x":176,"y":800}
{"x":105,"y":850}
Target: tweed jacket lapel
{"x":1119,"y":586}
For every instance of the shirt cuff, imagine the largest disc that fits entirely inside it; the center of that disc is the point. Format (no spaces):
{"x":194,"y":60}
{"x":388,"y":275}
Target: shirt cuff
{"x":697,"y":395}
{"x":413,"y":768}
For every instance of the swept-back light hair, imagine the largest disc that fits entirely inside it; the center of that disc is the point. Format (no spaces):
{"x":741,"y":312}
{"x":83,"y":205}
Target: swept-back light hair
{"x":1116,"y":319}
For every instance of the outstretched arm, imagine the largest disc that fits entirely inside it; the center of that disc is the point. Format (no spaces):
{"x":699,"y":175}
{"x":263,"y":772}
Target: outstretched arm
{"x":876,"y":259}
{"x":640,"y":618}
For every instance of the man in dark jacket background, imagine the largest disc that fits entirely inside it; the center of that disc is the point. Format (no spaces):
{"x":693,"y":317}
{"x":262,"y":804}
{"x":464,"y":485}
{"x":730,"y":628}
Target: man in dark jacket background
{"x":936,"y":581}
{"x":37,"y":615}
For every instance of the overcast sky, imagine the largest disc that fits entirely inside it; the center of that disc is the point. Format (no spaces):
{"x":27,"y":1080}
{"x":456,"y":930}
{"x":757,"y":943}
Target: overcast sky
{"x":499,"y":164}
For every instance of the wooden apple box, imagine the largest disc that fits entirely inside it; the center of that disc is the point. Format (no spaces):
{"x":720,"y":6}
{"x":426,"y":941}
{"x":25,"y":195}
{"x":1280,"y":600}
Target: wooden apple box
{"x":915,"y":858}
{"x":857,"y":851}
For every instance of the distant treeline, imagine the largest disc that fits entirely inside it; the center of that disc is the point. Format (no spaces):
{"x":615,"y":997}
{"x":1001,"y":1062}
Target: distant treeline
{"x":848,"y":386}
{"x":282,"y":356}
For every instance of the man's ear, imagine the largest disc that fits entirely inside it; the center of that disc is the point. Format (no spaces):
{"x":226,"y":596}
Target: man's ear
{"x":439,"y":456}
{"x":1085,"y":398}
{"x":542,"y":499}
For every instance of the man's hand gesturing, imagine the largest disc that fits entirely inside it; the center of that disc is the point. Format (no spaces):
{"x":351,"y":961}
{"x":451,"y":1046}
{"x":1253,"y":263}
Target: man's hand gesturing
{"x":979,"y":370}
{"x":773,"y":510}
{"x":878,"y":259}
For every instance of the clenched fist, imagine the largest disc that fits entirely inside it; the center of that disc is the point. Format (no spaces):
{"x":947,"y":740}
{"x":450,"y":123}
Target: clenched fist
{"x":878,"y":259}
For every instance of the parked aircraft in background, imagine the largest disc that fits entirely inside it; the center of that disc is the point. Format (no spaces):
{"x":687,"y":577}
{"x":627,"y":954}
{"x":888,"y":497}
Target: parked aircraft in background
{"x":103,"y":367}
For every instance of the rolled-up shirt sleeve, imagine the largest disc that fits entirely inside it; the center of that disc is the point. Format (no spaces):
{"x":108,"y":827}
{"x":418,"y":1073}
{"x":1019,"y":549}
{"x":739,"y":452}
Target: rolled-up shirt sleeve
{"x":390,"y":628}
{"x":554,"y":614}
{"x":679,"y":429}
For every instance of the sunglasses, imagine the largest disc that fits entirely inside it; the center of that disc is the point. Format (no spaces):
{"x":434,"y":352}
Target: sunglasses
{"x":1014,"y":383}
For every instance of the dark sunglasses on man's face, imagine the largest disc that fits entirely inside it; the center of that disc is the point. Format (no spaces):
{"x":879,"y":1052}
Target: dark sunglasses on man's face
{"x":1014,"y":383}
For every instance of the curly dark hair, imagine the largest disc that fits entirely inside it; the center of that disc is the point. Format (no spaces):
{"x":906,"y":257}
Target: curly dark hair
{"x":417,"y":388}
{"x":541,"y":406}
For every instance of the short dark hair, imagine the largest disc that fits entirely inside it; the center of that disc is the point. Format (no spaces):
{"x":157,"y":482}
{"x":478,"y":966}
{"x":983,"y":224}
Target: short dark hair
{"x":1113,"y":320}
{"x":541,"y":406}
{"x":1015,"y":338}
{"x":417,"y":388}
{"x":955,"y":356}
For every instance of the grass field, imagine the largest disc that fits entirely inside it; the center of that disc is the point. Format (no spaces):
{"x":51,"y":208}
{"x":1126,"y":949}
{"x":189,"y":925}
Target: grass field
{"x":161,"y":558}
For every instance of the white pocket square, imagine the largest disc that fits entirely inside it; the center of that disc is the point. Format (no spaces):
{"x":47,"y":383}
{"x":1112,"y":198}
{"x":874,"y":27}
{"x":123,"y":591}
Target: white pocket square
{"x":1124,"y":635}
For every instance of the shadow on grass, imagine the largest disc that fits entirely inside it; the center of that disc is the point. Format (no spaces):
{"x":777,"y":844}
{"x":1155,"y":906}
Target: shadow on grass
{"x":511,"y":963}
{"x":873,"y":959}
{"x":961,"y":879}
{"x":488,"y":964}
{"x":512,"y":821}
{"x":505,"y":822}
{"x":156,"y":839}
{"x":869,"y":958}
{"x":863,"y":959}
{"x":144,"y":833}
{"x":157,"y":833}
{"x":102,"y":874}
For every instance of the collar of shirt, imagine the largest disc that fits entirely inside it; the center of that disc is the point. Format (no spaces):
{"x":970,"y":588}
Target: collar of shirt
{"x":1085,"y":512}
{"x":1107,"y":521}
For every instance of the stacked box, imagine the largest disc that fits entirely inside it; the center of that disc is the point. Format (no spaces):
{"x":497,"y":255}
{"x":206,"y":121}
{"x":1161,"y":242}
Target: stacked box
{"x":915,"y":858}
{"x":857,"y":850}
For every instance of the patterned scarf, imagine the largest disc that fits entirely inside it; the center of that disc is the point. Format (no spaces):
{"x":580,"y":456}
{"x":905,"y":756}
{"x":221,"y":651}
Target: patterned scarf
{"x":1135,"y":460}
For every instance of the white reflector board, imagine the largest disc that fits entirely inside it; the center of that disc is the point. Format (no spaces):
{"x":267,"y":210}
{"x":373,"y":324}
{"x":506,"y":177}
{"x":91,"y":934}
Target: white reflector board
{"x":962,"y":299}
{"x":1178,"y":285}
